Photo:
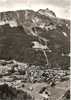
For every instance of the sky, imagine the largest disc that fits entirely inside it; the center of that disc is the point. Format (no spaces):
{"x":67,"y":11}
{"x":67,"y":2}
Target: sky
{"x":60,"y":7}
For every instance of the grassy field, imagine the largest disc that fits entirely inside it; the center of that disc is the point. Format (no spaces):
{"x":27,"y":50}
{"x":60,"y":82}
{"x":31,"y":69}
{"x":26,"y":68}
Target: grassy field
{"x":55,"y":92}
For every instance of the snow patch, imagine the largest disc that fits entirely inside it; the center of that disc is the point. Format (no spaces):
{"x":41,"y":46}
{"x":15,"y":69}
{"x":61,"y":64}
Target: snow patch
{"x":37,"y":45}
{"x":11,"y":23}
{"x":2,"y":22}
{"x":65,"y":34}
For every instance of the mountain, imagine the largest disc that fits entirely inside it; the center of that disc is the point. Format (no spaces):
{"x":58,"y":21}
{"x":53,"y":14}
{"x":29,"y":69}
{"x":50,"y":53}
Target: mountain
{"x":47,"y":12}
{"x":35,"y":37}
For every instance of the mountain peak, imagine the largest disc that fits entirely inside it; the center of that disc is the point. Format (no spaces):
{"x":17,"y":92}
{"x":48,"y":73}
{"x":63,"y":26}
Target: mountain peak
{"x":47,"y":12}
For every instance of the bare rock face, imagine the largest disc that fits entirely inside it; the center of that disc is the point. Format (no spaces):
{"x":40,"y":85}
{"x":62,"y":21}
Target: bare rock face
{"x":47,"y":12}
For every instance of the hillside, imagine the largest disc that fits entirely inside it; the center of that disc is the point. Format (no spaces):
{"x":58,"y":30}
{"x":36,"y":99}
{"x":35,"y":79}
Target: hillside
{"x":35,"y":37}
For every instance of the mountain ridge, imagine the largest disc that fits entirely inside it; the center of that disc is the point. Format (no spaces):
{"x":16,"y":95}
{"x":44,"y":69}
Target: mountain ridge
{"x":25,"y":28}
